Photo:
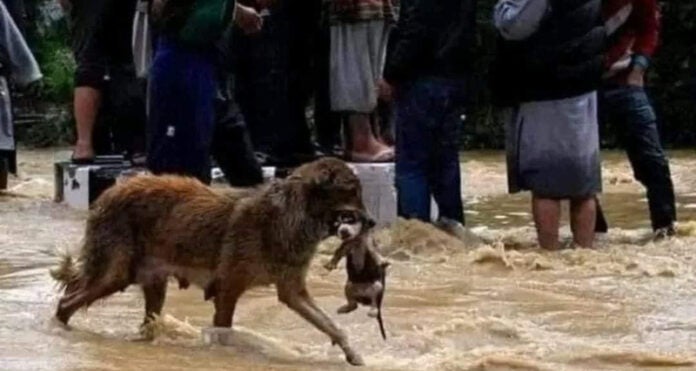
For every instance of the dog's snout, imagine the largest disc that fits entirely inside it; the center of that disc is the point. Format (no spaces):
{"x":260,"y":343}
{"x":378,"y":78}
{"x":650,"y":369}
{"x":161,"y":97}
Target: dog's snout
{"x":343,"y":233}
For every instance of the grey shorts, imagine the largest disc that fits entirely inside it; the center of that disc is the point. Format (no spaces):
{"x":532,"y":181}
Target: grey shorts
{"x":358,"y":51}
{"x":101,"y":38}
{"x":553,"y":148}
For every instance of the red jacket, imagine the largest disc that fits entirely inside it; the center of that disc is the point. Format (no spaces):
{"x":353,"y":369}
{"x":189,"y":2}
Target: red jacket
{"x":634,"y":27}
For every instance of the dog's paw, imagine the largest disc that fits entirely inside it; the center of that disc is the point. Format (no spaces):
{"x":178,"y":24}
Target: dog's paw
{"x":354,"y":359}
{"x":373,"y":313}
{"x":330,"y":266}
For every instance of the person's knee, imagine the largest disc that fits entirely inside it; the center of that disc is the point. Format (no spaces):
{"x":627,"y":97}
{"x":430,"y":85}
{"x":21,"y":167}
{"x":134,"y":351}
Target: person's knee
{"x":90,"y":76}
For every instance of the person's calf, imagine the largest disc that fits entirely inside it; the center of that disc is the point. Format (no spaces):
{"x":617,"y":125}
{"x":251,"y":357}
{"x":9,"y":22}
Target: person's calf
{"x":583,"y":217}
{"x":547,"y":215}
{"x":87,"y":103}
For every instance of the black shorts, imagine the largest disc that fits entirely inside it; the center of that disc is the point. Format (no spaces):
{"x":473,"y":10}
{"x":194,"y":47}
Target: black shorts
{"x":101,"y":39}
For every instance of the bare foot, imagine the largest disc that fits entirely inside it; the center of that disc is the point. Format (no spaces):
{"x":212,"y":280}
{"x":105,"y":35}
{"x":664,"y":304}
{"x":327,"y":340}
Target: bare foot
{"x":83,"y":151}
{"x":386,"y":155}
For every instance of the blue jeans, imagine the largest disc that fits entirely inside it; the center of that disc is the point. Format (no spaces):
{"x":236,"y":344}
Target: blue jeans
{"x":427,"y":153}
{"x":629,"y":108}
{"x":182,"y":112}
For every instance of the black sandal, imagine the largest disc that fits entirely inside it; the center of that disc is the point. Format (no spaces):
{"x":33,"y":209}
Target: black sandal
{"x":81,"y":161}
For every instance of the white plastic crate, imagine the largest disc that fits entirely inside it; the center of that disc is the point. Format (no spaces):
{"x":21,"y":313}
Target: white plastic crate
{"x":379,"y":192}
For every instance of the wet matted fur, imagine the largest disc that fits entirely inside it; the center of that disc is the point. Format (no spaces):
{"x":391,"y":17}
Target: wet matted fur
{"x":149,"y":228}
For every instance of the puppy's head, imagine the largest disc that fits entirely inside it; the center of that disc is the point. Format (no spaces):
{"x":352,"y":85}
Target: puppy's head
{"x":350,"y":224}
{"x":330,"y":185}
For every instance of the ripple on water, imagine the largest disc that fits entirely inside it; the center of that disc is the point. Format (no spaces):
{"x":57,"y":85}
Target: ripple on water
{"x":450,"y":304}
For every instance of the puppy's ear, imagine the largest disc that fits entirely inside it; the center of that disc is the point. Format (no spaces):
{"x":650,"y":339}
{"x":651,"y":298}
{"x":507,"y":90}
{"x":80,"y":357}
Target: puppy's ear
{"x":371,"y":223}
{"x":367,"y":220}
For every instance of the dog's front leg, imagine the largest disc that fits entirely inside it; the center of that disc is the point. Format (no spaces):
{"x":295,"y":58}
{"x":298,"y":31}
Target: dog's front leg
{"x":337,"y":256}
{"x":294,"y":294}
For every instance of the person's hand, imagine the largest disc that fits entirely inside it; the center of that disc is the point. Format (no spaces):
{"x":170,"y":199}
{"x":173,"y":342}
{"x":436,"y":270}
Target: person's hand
{"x":65,"y":4}
{"x":636,"y":77}
{"x":385,"y":91}
{"x":248,"y":19}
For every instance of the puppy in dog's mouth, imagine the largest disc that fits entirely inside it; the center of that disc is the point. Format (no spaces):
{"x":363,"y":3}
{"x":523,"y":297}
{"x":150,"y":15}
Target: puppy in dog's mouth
{"x":366,"y":268}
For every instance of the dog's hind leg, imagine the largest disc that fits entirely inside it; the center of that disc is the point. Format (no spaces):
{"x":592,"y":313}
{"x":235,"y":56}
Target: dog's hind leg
{"x":87,"y":291}
{"x":84,"y":297}
{"x":294,"y":294}
{"x":155,"y":293}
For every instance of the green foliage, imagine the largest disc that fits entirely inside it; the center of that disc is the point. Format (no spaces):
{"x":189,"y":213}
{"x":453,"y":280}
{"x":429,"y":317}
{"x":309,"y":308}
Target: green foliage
{"x":673,"y":76}
{"x":50,"y":44}
{"x":49,"y":118}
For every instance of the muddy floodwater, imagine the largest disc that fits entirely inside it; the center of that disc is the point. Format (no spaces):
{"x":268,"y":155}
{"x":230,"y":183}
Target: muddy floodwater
{"x":504,"y":304}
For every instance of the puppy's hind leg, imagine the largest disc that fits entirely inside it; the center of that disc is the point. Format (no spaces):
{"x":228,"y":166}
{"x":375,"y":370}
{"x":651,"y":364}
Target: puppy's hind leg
{"x":350,"y":296}
{"x":293,"y":293}
{"x":374,"y":292}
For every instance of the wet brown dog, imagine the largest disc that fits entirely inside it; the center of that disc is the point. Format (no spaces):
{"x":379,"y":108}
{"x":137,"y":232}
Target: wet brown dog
{"x":149,"y":228}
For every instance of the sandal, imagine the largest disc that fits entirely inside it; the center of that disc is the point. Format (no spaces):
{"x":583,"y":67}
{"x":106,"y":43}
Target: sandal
{"x":386,"y":155}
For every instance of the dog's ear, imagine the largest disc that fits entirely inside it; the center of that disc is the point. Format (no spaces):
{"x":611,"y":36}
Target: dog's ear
{"x":366,"y":219}
{"x":371,"y":223}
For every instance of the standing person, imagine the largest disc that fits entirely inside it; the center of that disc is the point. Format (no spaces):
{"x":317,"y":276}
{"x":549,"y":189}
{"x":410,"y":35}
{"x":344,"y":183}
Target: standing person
{"x":549,"y":66}
{"x":633,"y":26}
{"x":18,"y":65}
{"x":275,"y":79}
{"x":359,"y":34}
{"x":232,"y":148}
{"x":101,"y":38}
{"x":183,"y":82}
{"x":427,"y":66}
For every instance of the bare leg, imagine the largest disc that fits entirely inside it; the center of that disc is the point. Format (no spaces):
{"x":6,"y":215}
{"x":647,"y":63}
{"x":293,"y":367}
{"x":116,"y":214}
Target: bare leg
{"x":547,"y":215}
{"x":583,"y":215}
{"x":294,"y":294}
{"x":363,"y":141}
{"x":87,"y":103}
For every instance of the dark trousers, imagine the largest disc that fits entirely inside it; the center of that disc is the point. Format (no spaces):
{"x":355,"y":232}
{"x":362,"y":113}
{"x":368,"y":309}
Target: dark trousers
{"x":275,"y":78}
{"x":231,"y":147}
{"x":427,"y":152}
{"x":630,"y":110}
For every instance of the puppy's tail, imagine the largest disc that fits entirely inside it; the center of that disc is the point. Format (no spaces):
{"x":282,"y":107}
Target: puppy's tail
{"x":67,"y":271}
{"x":379,"y":300}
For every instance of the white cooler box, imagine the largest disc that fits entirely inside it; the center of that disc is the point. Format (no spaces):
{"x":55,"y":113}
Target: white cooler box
{"x":79,"y":185}
{"x":379,"y":192}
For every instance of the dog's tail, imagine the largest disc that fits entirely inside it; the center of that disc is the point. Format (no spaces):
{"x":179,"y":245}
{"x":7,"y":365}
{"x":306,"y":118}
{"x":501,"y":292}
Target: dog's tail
{"x":380,"y":296}
{"x":67,"y":272}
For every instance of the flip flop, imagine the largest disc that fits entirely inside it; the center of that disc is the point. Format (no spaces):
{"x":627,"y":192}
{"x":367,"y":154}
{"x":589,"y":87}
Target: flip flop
{"x":81,"y":161}
{"x":386,"y":155}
